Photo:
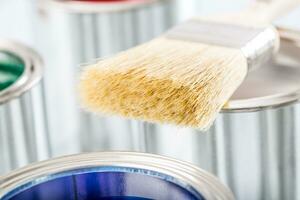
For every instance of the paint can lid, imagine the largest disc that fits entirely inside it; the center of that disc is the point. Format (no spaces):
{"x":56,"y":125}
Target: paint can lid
{"x":20,"y":70}
{"x":275,"y":84}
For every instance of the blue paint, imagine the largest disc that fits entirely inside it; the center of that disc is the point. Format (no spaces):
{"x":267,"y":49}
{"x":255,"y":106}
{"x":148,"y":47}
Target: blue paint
{"x":105,"y":183}
{"x":123,"y":198}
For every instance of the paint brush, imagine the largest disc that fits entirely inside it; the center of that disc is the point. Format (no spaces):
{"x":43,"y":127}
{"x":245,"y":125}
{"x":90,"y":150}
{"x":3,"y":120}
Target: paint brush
{"x":185,"y":76}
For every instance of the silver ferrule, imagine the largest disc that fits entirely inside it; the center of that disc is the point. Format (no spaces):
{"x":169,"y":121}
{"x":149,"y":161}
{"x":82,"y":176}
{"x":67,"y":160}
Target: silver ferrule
{"x":257,"y":44}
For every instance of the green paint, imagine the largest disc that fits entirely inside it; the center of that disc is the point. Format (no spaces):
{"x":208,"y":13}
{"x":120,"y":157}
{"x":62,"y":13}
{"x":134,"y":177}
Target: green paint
{"x":11,"y":68}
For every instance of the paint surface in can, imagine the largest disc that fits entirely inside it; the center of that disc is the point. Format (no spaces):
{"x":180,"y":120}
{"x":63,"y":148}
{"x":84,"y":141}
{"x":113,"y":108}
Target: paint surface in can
{"x":113,"y":183}
{"x":11,"y":68}
{"x":101,"y":0}
{"x":106,"y":1}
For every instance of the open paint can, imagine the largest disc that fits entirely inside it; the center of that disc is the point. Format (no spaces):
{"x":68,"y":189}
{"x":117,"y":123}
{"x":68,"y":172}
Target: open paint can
{"x":112,"y":176}
{"x":23,"y":128}
{"x":72,"y":33}
{"x":253,"y":145}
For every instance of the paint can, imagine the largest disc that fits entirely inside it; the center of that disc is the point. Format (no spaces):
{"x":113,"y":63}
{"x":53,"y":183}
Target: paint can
{"x":23,"y":127}
{"x":253,"y":145}
{"x":74,"y":32}
{"x":112,"y":175}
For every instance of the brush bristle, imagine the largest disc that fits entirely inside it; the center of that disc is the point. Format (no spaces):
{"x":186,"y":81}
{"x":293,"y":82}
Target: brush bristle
{"x":164,"y":80}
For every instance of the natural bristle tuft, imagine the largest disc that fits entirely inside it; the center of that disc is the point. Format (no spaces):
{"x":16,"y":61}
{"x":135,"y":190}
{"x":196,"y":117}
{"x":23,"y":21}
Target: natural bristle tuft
{"x":164,"y":80}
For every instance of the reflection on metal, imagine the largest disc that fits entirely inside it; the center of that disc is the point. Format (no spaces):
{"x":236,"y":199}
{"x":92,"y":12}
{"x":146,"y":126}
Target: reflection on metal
{"x":129,"y":174}
{"x":74,"y":34}
{"x":23,"y":129}
{"x":254,"y":153}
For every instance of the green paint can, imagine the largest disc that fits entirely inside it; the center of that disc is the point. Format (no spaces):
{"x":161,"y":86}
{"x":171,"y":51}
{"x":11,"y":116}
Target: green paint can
{"x":23,"y":128}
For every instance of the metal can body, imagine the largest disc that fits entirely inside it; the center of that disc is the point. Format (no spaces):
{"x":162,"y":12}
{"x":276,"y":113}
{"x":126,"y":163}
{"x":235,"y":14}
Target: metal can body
{"x":76,"y":32}
{"x":112,"y":175}
{"x":252,"y":147}
{"x":23,"y":127}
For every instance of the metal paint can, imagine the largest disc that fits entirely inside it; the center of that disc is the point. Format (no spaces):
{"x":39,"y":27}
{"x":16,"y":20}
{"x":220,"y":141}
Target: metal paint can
{"x":75,"y":32}
{"x":112,"y":175}
{"x":23,"y":128}
{"x":253,"y":145}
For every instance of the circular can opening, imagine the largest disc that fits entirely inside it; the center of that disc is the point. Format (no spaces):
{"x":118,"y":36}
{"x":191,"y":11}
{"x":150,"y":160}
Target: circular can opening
{"x":104,"y":183}
{"x":11,"y":69}
{"x":107,"y":1}
{"x":98,"y":6}
{"x":20,"y":69}
{"x":102,"y":1}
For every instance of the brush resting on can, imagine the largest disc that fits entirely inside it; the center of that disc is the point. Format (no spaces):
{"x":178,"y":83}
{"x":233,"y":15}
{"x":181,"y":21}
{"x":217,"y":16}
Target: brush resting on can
{"x":185,"y":76}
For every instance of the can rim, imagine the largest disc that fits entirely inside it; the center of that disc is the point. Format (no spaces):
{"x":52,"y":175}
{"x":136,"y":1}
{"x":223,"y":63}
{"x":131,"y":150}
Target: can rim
{"x":96,"y":7}
{"x":32,"y":71}
{"x":272,"y":101}
{"x":201,"y":181}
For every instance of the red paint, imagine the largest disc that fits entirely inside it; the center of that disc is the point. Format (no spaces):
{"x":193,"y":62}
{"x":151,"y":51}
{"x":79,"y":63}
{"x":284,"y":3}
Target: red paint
{"x":104,"y":1}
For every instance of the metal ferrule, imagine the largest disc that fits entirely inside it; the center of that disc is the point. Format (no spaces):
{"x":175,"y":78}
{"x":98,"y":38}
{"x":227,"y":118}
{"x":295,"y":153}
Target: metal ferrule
{"x":257,"y":44}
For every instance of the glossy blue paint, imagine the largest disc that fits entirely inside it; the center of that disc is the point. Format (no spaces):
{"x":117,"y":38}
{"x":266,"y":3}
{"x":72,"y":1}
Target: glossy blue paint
{"x":107,"y":183}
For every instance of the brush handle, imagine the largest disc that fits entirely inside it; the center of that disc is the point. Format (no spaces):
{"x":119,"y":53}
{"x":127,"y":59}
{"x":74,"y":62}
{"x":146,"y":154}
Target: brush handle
{"x":258,"y":13}
{"x":264,"y":12}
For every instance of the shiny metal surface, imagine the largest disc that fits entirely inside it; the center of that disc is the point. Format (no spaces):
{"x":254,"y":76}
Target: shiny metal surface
{"x":274,"y":85}
{"x":30,"y":76}
{"x":23,"y":128}
{"x":255,"y":154}
{"x":68,"y":39}
{"x":189,"y":175}
{"x":252,"y":146}
{"x":99,"y":7}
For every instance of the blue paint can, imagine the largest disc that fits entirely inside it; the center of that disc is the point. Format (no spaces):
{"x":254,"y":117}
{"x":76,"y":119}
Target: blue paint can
{"x":112,"y":176}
